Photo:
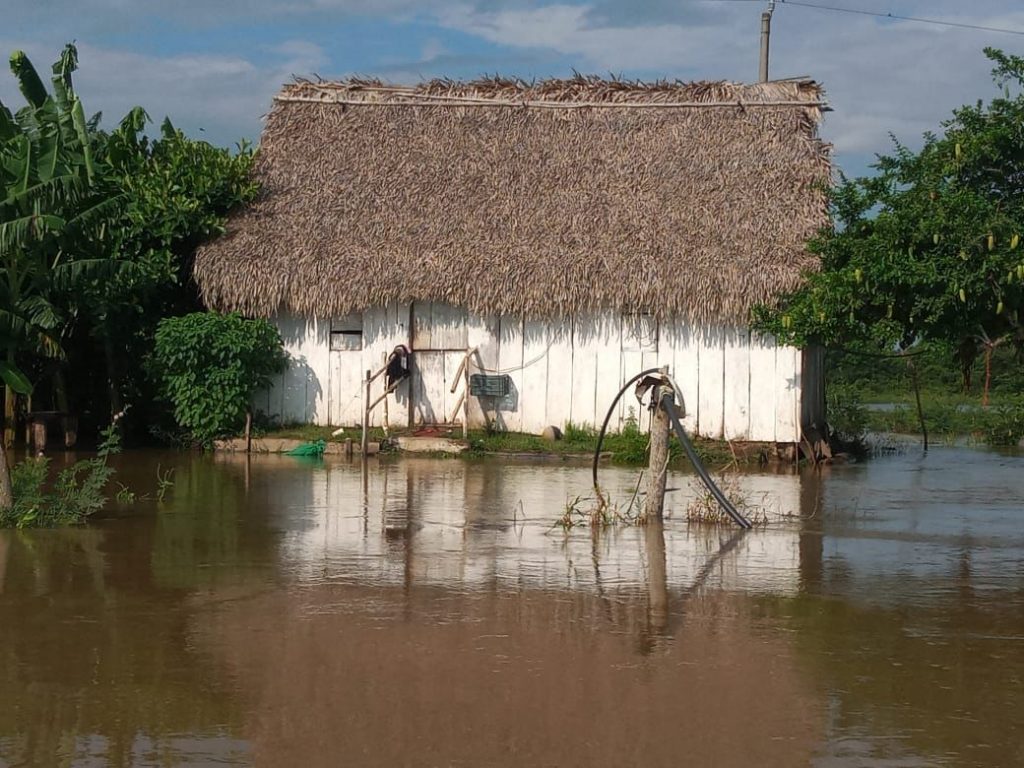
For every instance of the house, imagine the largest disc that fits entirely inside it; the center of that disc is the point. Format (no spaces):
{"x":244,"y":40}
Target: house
{"x":558,"y":236}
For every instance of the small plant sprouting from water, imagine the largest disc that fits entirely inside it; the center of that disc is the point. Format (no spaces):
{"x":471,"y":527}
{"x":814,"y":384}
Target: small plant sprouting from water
{"x":704,"y":508}
{"x":164,"y":482}
{"x":125,"y":495}
{"x":599,"y":511}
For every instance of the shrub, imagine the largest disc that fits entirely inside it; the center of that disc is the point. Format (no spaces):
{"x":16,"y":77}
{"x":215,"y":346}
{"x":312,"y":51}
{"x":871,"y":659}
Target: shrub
{"x":847,"y":415}
{"x":209,"y":366}
{"x":1004,"y":424}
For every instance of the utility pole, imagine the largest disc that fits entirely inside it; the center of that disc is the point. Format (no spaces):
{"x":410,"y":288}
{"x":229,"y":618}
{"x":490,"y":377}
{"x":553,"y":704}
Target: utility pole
{"x":766,"y":33}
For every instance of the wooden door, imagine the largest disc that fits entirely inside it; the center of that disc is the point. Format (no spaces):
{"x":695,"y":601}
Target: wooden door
{"x":439,"y":338}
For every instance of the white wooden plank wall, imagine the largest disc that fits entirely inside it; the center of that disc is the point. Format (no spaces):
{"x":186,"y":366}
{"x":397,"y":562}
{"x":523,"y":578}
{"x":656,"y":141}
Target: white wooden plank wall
{"x":787,"y":395}
{"x":732,"y":384}
{"x":762,"y":387}
{"x":484,"y":335}
{"x":607,"y":336}
{"x":736,"y":406}
{"x":680,"y":339}
{"x":559,"y":366}
{"x":510,"y":359}
{"x":586,"y":345}
{"x":710,"y":384}
{"x":533,"y":396}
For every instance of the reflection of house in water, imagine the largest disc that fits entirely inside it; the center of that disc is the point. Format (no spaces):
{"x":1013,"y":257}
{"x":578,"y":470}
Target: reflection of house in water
{"x":474,"y":525}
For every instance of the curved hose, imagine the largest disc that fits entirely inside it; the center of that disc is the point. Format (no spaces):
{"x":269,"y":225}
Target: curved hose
{"x":608,"y":416}
{"x":668,"y":402}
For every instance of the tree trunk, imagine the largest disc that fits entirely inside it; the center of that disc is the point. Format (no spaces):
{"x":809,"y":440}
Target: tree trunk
{"x":10,"y":403}
{"x":60,"y":391}
{"x":6,"y":495}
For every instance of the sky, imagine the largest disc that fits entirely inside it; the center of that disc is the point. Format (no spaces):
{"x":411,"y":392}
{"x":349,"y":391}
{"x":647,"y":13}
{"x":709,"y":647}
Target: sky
{"x":213,"y":66}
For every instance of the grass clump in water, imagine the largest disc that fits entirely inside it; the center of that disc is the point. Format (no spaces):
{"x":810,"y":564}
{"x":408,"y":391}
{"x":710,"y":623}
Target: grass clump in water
{"x":704,"y":508}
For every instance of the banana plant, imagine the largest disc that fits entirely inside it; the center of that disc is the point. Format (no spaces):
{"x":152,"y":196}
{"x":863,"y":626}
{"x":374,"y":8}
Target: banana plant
{"x":55,"y":209}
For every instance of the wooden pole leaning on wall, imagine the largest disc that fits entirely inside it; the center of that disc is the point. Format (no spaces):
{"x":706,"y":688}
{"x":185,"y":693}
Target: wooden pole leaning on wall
{"x":657,"y":472}
{"x":465,"y":391}
{"x":364,"y":442}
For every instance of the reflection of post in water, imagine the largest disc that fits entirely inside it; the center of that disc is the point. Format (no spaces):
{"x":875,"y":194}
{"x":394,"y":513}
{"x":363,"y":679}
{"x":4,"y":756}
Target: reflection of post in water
{"x":657,"y":577}
{"x":658,"y":625}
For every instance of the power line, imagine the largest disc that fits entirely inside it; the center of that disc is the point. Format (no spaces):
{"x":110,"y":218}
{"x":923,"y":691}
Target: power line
{"x":897,"y":17}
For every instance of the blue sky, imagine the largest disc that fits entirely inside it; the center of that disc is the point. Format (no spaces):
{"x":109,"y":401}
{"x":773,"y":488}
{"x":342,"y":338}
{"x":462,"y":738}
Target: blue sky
{"x":213,"y":65}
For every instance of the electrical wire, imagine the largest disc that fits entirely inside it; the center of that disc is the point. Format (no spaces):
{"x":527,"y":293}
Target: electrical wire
{"x":898,"y":17}
{"x":888,"y":15}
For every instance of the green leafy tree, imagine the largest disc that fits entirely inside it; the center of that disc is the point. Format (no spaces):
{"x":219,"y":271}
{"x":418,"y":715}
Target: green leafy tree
{"x":96,"y":235}
{"x":929,"y":250}
{"x":210,"y":365}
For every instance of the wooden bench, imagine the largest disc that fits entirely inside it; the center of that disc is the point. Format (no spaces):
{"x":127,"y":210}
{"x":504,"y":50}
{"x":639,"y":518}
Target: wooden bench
{"x":39,"y":423}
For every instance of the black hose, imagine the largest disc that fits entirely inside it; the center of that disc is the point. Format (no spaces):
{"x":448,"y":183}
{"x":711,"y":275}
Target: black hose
{"x":608,"y":417}
{"x":668,"y":402}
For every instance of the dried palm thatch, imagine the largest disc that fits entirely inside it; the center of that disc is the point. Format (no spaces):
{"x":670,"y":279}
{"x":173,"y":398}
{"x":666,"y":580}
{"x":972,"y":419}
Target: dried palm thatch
{"x":534,"y":199}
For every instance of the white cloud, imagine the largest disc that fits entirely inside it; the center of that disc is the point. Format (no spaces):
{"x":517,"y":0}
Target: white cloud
{"x":218,"y":97}
{"x":881,"y":76}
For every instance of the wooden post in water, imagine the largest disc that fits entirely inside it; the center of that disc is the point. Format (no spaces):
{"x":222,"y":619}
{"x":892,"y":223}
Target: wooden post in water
{"x":657,"y":472}
{"x":365,"y":442}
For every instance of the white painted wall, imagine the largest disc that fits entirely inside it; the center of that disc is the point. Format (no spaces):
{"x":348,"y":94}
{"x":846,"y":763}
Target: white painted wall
{"x":734,"y":385}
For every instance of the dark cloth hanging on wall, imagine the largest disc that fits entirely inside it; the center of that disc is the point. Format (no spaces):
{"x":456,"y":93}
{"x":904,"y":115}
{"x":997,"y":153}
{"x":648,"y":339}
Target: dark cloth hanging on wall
{"x":398,"y":365}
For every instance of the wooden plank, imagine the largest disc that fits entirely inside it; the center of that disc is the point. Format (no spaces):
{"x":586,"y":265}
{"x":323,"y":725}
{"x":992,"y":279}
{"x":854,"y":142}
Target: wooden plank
{"x":422,"y":323}
{"x":316,"y":345}
{"x":710,"y":385}
{"x":678,"y":337}
{"x":608,"y":379}
{"x":449,"y":329}
{"x":452,"y":369}
{"x":762,"y":388}
{"x":787,"y":395}
{"x":483,"y":334}
{"x":533,"y":396}
{"x":737,"y":384}
{"x":384,"y":328}
{"x":509,"y":415}
{"x":558,"y":408}
{"x":428,"y":395}
{"x":437,"y":325}
{"x":632,"y":362}
{"x":586,"y":345}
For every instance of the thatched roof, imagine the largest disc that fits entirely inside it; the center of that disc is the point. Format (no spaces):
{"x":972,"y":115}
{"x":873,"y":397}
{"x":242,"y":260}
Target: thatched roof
{"x":688,"y":200}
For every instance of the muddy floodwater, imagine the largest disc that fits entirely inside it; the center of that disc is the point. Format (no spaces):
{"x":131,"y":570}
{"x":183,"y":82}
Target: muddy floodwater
{"x":279,"y":612}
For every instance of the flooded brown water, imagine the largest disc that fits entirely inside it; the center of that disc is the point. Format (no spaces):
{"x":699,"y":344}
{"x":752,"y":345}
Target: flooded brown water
{"x":272,"y":612}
